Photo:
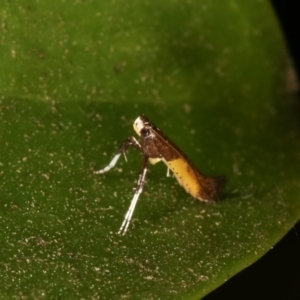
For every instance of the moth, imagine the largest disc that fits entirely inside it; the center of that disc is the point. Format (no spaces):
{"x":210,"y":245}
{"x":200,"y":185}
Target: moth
{"x":156,"y":147}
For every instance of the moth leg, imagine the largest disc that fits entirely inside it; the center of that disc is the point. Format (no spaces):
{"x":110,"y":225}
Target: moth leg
{"x":131,"y":141}
{"x":168,"y":172}
{"x":125,"y":156}
{"x":138,"y":191}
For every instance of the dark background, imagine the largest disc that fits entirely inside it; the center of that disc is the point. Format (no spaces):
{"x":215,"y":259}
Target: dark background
{"x":277,"y":274}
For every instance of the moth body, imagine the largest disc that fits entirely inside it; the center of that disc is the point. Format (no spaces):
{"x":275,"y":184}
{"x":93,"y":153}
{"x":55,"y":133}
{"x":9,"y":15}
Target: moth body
{"x":156,"y":147}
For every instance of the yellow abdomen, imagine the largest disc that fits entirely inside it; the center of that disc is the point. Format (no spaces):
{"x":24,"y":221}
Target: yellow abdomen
{"x":185,"y":176}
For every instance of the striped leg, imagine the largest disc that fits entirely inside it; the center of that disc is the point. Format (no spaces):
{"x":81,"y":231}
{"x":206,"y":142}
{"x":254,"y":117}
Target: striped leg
{"x":138,"y":191}
{"x":131,"y":141}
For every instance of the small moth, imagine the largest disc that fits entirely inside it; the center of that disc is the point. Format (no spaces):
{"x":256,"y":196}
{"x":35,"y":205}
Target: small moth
{"x":156,"y":147}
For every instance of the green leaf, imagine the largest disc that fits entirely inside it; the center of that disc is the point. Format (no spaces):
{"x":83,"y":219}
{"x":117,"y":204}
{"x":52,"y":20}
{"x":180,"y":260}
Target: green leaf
{"x":75,"y":75}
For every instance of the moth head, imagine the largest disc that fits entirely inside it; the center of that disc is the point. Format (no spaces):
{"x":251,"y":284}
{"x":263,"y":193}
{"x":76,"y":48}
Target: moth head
{"x":142,"y":126}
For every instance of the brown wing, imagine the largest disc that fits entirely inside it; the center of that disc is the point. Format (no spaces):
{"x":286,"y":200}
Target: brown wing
{"x":189,"y":177}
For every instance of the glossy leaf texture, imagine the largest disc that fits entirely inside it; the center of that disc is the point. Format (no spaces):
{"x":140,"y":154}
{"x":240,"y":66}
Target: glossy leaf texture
{"x":74,"y":76}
